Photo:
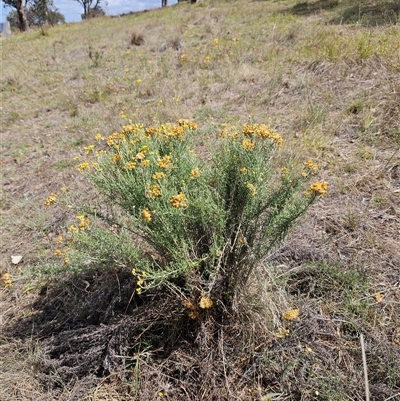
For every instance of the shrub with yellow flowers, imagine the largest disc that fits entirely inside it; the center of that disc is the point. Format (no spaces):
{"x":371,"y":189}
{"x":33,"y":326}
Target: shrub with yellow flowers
{"x":198,"y":224}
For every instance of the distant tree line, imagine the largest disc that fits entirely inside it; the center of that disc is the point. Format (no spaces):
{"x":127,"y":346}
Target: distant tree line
{"x":164,"y":3}
{"x":91,"y":8}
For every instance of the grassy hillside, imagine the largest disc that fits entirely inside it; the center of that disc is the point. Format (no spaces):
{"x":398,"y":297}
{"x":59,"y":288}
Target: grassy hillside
{"x":325,"y":75}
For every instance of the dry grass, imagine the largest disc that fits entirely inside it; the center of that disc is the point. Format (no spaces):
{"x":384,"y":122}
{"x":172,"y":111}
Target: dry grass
{"x":137,"y":39}
{"x":332,"y":90}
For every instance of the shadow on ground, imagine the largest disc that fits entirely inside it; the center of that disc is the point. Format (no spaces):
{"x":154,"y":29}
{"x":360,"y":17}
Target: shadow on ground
{"x":93,"y":323}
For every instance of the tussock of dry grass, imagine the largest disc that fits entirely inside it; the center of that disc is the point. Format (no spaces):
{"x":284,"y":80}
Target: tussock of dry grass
{"x":333,"y":92}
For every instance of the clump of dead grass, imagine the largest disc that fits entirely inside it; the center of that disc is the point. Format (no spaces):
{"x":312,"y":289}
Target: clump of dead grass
{"x":137,"y":39}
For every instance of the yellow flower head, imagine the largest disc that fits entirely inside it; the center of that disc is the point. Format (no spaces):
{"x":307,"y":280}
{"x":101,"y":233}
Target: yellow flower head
{"x":194,"y":173}
{"x":83,"y":166}
{"x":146,"y":215}
{"x":88,"y":149}
{"x":310,"y":165}
{"x":205,"y":302}
{"x":130,"y":165}
{"x":165,"y":162}
{"x":178,"y":201}
{"x":187,"y":124}
{"x":144,"y":163}
{"x":319,"y":188}
{"x":83,"y":224}
{"x":377,"y":297}
{"x":248,"y":144}
{"x":140,"y":156}
{"x":151,"y":131}
{"x":6,"y":280}
{"x":153,"y":191}
{"x":50,"y":199}
{"x":72,"y":229}
{"x":282,"y":332}
{"x":188,"y":305}
{"x":291,"y":314}
{"x":158,"y":176}
{"x":252,"y":189}
{"x":116,"y":158}
{"x":115,"y":138}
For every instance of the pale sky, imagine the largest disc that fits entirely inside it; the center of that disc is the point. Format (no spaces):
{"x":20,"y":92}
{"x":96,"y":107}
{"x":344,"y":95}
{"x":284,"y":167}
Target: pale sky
{"x":72,"y":10}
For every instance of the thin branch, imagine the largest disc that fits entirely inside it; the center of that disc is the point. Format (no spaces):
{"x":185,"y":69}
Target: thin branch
{"x":364,"y":358}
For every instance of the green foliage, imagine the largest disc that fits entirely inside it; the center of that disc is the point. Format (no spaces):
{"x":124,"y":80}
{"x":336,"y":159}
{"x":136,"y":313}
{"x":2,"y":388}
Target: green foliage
{"x":95,"y":56}
{"x":40,"y":12}
{"x":198,"y":224}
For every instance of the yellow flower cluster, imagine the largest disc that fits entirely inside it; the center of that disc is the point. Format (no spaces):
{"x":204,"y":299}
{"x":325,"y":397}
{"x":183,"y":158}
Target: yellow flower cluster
{"x":310,"y":165}
{"x":72,"y":229}
{"x":159,"y":175}
{"x":319,"y":188}
{"x":140,"y":156}
{"x":261,"y":131}
{"x":140,"y":280}
{"x":282,"y":332}
{"x":6,"y":280}
{"x":205,"y":302}
{"x":193,"y":314}
{"x":83,"y":166}
{"x":134,"y":132}
{"x":187,"y":124}
{"x":377,"y":297}
{"x":252,"y":189}
{"x":149,"y":131}
{"x":248,"y":144}
{"x":62,"y":252}
{"x":116,"y":158}
{"x":87,"y":149}
{"x":83,"y":222}
{"x":130,"y":165}
{"x":115,"y":138}
{"x":146,"y":215}
{"x":194,"y":173}
{"x":50,"y":199}
{"x":131,"y":129}
{"x":153,"y":191}
{"x":165,"y":162}
{"x":178,"y":201}
{"x":291,"y":314}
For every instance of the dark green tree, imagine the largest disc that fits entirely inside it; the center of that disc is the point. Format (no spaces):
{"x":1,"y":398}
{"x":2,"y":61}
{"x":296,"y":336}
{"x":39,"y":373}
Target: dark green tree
{"x":88,"y":6}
